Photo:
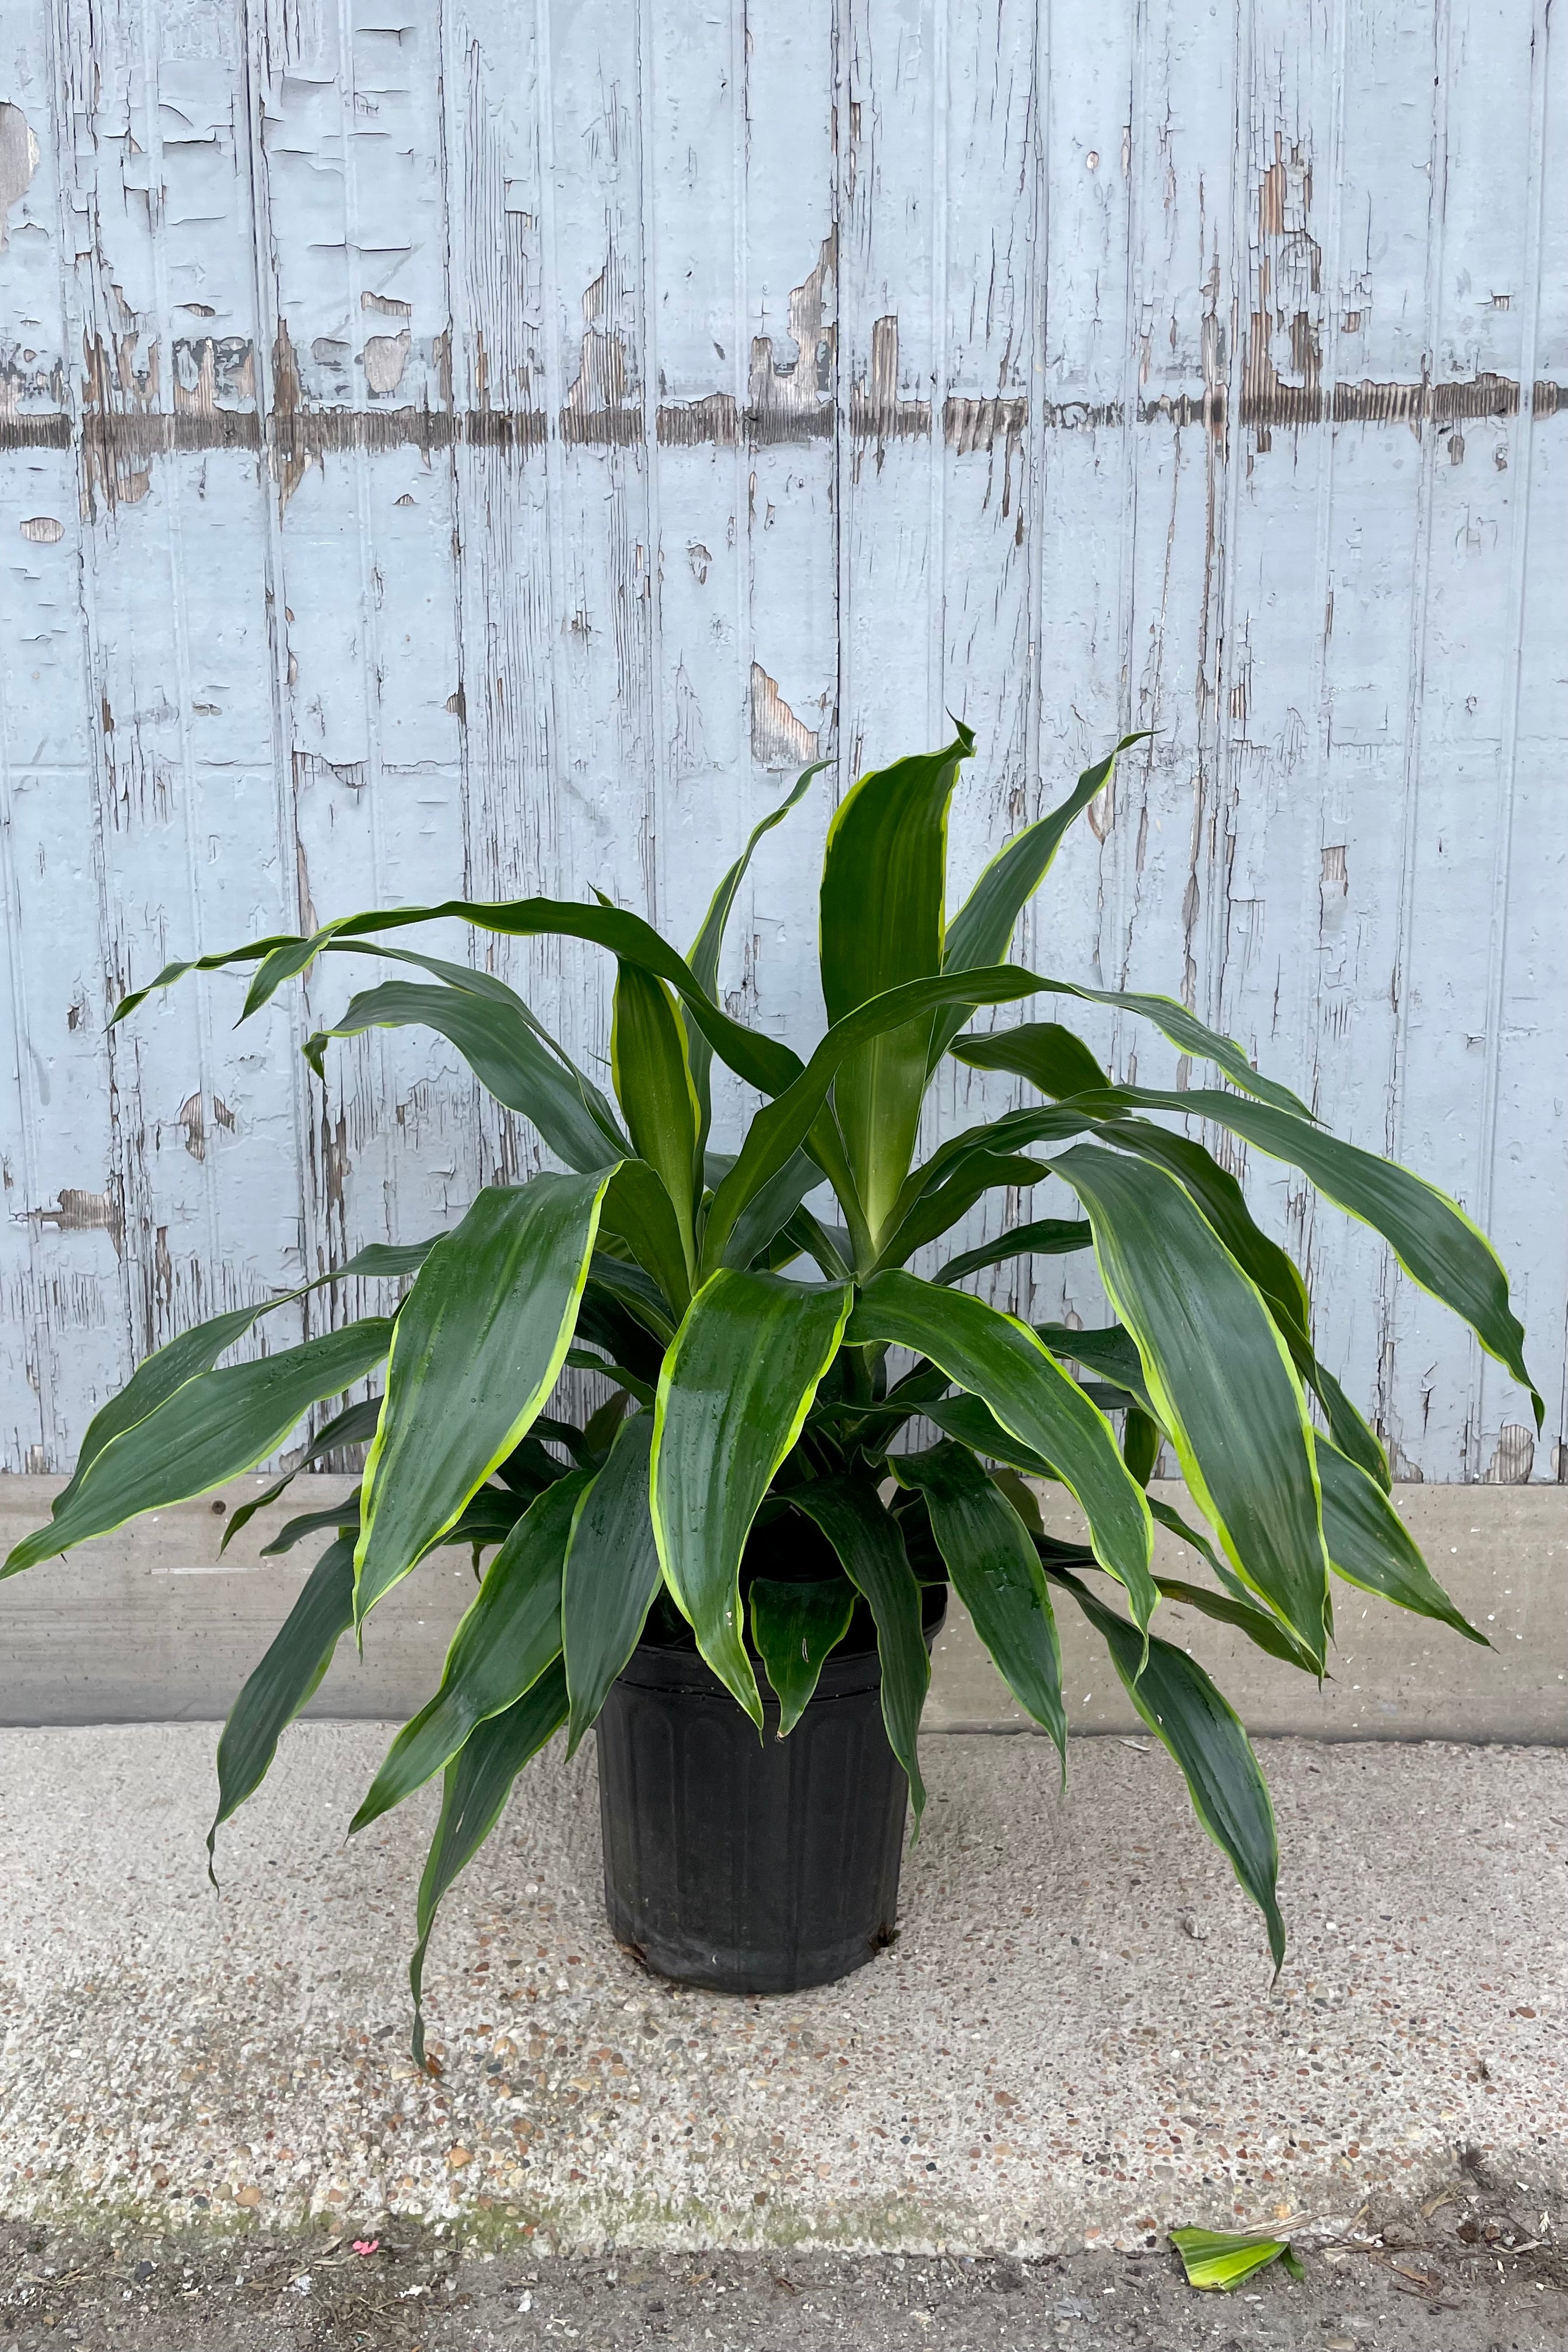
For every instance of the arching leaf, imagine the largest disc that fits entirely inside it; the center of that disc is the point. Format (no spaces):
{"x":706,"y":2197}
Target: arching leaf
{"x":210,"y":1430}
{"x":735,"y":1389}
{"x":997,"y":1572}
{"x":982,"y":931}
{"x":481,"y":1340}
{"x":611,"y":1574}
{"x":1016,"y":1049}
{"x":997,"y":1357}
{"x":195,"y":1351}
{"x":871,"y":1554}
{"x":506,"y":1051}
{"x":1436,"y":1243}
{"x":288,"y":1676}
{"x":1218,"y":1376}
{"x":1370,"y":1545}
{"x":1044,"y":1237}
{"x":1203,"y":1732}
{"x":761,"y":1060}
{"x":478,"y":1783}
{"x":355,"y":1426}
{"x":796,"y":1627}
{"x":508,"y":1636}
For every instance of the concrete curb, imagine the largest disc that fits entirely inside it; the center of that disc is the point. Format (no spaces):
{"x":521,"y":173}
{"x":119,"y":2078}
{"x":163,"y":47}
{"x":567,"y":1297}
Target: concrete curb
{"x":148,"y":1625}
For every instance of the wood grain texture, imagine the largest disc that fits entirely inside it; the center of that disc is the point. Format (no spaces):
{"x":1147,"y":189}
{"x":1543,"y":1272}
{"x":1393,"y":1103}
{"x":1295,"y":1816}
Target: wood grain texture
{"x":491,"y":444}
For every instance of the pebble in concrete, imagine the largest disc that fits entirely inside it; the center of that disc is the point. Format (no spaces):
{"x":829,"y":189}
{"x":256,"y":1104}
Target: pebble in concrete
{"x":1075,"y":2039}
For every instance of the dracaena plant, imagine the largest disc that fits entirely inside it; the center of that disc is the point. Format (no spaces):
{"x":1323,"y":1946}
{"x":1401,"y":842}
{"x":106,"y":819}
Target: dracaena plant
{"x":752,"y":1343}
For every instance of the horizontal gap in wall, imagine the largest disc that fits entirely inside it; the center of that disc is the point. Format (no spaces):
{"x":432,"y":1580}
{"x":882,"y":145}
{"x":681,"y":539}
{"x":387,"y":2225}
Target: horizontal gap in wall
{"x":113,"y":439}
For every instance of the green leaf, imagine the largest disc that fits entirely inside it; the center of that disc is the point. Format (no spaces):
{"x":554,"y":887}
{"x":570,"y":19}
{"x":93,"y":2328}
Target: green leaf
{"x":997,"y":1138}
{"x":580,"y":1359}
{"x":771,"y":1210}
{"x":527,"y":1469}
{"x":999,"y":1359}
{"x":603,"y":1424}
{"x":1347,"y":1427}
{"x":1172,"y":1521}
{"x":476,"y":982}
{"x":780,"y":1129}
{"x":513,"y":1057}
{"x":938,"y":1210}
{"x":611,"y":1574}
{"x":1225,"y":2259}
{"x":977,"y":1427}
{"x":1440,"y":1246}
{"x":982,"y":931}
{"x":1013,"y":1049}
{"x":1370,"y":1545}
{"x":1223,"y":1202}
{"x":705,"y":948}
{"x":1219,"y":1377}
{"x":212,"y":1428}
{"x":338,"y":1516}
{"x":997,"y":1572}
{"x":623,"y":1309}
{"x":478,"y":1784}
{"x":876,"y":1423}
{"x":883,"y":882}
{"x":195,"y":1351}
{"x":1045,"y":1237}
{"x":489,"y":1515}
{"x":508,"y":1636}
{"x":481,"y":1340}
{"x":871,"y":1554}
{"x":155,"y":1380}
{"x":971,"y":1420}
{"x":1187,"y":1714}
{"x":638,"y":1208}
{"x":1141,"y":1440}
{"x":761,"y":1060}
{"x":1259,"y":1625}
{"x":734,"y":1395}
{"x":795,"y":1627}
{"x":654,"y":1087}
{"x":379,"y":1261}
{"x":1110,"y":1352}
{"x":296,"y":1658}
{"x":1052,"y":1058}
{"x":829,"y":1246}
{"x":355,"y":1426}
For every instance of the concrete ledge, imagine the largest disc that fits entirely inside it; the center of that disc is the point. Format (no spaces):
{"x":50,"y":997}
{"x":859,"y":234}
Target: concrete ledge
{"x":1075,"y":2036}
{"x":150,"y":1625}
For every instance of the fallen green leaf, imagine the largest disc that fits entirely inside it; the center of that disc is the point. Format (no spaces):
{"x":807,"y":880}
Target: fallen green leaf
{"x":1226,"y":2258}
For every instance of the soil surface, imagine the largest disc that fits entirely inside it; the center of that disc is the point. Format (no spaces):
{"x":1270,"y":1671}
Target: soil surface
{"x":1467,"y":2268}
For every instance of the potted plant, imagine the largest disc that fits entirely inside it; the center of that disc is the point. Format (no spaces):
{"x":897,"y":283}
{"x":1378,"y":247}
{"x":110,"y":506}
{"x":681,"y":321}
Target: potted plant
{"x":748,"y":1536}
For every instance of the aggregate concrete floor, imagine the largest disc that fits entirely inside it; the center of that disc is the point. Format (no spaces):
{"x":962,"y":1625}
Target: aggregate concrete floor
{"x":1074,"y":2043}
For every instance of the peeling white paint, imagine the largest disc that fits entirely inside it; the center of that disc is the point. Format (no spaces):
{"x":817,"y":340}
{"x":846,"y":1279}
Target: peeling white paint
{"x":18,"y":162}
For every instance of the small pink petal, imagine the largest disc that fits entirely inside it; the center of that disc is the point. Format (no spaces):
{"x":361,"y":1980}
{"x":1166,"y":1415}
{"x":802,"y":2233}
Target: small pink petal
{"x":366,"y":2245}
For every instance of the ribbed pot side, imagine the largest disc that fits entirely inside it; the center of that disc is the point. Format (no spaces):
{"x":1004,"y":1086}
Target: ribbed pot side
{"x":750,"y":1865}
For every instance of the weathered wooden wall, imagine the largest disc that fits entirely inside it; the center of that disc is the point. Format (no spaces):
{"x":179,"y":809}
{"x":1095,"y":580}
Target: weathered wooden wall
{"x":488,"y":443}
